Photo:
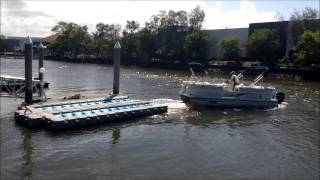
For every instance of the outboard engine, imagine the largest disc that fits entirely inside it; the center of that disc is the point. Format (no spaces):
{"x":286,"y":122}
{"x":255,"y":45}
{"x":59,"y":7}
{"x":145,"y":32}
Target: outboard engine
{"x":280,"y":97}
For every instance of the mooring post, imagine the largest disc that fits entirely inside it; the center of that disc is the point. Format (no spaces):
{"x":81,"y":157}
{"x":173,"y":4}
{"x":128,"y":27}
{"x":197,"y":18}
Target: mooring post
{"x":116,"y":67}
{"x":28,"y":52}
{"x":41,"y":54}
{"x":41,"y":69}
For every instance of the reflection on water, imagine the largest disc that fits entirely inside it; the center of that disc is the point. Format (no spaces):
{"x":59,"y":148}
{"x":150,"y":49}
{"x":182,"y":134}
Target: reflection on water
{"x":115,"y":135}
{"x":27,"y":165}
{"x":185,"y":143}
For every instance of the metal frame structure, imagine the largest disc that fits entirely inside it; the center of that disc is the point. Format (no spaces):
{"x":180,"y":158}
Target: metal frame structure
{"x":14,"y":86}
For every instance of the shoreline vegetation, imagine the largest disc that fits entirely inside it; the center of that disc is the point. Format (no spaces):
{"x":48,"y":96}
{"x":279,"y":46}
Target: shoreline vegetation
{"x":173,"y":39}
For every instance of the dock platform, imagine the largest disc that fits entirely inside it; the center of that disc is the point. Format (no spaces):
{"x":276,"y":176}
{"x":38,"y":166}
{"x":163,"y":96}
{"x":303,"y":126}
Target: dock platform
{"x":79,"y":113}
{"x":15,"y":85}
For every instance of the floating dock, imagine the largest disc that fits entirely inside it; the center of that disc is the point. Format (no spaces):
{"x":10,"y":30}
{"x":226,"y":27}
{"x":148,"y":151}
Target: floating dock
{"x":80,"y":113}
{"x":16,"y":85}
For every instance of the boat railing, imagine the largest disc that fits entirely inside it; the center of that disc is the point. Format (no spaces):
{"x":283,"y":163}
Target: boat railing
{"x":260,"y":77}
{"x":240,"y":76}
{"x":257,"y":79}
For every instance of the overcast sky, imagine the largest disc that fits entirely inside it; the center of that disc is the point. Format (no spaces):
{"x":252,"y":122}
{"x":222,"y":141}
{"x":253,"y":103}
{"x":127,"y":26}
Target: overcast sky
{"x":36,"y":18}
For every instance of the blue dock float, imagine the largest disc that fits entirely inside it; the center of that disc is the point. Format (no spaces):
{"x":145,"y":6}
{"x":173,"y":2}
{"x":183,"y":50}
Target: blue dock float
{"x":81,"y":113}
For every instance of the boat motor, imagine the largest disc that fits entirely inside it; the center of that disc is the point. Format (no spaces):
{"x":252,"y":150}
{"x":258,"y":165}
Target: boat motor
{"x":280,"y":97}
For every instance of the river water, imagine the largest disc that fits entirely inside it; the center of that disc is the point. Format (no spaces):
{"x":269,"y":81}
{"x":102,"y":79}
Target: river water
{"x":278,"y":143}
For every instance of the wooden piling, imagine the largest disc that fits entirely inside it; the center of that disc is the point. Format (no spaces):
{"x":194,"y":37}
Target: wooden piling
{"x":28,"y":70}
{"x":116,"y":68}
{"x":41,"y":69}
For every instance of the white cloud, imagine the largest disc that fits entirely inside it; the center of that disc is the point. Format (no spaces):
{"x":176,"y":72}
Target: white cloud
{"x":247,"y":13}
{"x":48,"y":13}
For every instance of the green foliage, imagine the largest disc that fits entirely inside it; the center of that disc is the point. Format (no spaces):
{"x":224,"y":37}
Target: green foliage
{"x":300,"y":21}
{"x":264,"y":45}
{"x":168,"y":37}
{"x":197,"y":46}
{"x":105,"y":37}
{"x":308,"y":47}
{"x":129,"y":40}
{"x":132,"y":26}
{"x":196,"y":18}
{"x":73,"y":39}
{"x":229,"y":47}
{"x":146,"y":44}
{"x":164,"y":37}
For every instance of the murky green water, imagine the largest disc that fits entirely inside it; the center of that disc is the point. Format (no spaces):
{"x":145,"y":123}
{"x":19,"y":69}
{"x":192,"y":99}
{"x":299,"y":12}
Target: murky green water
{"x":182,"y":144}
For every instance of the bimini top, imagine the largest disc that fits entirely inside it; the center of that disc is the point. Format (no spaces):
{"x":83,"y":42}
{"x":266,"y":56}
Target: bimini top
{"x":197,"y":69}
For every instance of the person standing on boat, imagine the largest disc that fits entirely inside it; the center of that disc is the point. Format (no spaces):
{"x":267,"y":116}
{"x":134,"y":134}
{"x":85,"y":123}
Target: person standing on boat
{"x":234,"y":80}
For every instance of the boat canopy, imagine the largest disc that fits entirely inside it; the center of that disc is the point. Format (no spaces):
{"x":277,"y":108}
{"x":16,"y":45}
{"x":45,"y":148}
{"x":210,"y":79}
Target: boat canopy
{"x":197,"y":69}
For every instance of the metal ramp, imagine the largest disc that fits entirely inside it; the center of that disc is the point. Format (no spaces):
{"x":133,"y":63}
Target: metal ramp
{"x":14,"y":86}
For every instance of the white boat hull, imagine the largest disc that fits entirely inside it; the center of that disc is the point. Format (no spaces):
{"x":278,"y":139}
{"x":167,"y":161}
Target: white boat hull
{"x":228,"y":102}
{"x":220,"y":95}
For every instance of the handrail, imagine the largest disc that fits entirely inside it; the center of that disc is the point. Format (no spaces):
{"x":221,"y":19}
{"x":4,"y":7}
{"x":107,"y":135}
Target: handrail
{"x":257,"y":79}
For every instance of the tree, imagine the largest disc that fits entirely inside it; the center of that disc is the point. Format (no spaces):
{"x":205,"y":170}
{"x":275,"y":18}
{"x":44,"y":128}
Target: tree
{"x":264,"y":45}
{"x":229,"y":47}
{"x":132,"y":26}
{"x":279,"y":17}
{"x":170,"y":43}
{"x":300,"y":21}
{"x":196,"y":46}
{"x":105,"y":37}
{"x":129,"y":40}
{"x":308,"y":46}
{"x":168,"y":30}
{"x":166,"y":37}
{"x":146,"y":44}
{"x":181,"y":18}
{"x":73,"y":39}
{"x":196,"y":18}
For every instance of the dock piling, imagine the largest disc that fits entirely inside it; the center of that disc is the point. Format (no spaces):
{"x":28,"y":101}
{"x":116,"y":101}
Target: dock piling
{"x":116,"y":67}
{"x":41,"y":55}
{"x":41,"y":69}
{"x":28,"y":70}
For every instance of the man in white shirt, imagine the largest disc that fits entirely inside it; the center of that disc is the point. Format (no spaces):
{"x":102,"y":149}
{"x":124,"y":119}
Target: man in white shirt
{"x":234,"y":80}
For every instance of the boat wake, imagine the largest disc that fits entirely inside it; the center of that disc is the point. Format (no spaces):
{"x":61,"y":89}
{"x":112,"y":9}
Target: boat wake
{"x":174,"y":106}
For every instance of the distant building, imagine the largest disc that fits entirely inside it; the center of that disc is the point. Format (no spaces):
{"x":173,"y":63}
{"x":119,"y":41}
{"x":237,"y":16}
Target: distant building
{"x":49,"y":39}
{"x":16,"y":43}
{"x":282,"y":28}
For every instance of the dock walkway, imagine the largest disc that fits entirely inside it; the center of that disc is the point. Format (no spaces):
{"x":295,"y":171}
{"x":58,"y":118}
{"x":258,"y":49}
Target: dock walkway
{"x":15,"y":85}
{"x":79,"y":113}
